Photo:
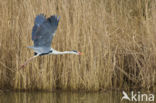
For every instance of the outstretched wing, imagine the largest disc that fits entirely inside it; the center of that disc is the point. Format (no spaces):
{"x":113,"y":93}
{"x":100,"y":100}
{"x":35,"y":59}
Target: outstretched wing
{"x":38,"y":21}
{"x":45,"y":32}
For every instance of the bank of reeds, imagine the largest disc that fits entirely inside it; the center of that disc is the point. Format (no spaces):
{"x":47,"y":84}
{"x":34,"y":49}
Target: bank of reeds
{"x":117,"y":38}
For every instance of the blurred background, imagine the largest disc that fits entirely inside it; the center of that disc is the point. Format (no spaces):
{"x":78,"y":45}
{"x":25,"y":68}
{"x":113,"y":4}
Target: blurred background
{"x":117,"y":39}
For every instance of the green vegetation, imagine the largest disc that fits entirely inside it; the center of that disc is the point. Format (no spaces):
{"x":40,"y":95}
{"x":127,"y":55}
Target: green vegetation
{"x":117,"y":38}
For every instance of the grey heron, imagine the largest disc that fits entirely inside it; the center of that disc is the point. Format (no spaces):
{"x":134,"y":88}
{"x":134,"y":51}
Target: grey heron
{"x":42,"y":34}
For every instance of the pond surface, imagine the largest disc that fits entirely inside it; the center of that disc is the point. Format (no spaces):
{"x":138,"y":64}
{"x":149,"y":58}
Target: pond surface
{"x":62,"y":97}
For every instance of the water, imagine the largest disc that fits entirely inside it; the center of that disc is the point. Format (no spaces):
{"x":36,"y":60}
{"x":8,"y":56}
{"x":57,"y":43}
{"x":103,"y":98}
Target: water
{"x":61,"y":97}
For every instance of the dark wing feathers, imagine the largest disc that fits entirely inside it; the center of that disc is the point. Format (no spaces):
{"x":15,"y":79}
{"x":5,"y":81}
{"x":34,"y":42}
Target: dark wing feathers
{"x":43,"y":33}
{"x":53,"y":20}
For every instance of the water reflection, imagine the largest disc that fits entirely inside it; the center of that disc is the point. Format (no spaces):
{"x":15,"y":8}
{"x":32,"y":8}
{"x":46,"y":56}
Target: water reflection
{"x":61,"y":97}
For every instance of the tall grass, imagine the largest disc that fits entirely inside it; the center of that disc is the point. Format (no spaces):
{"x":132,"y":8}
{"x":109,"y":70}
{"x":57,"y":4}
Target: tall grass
{"x":117,"y":38}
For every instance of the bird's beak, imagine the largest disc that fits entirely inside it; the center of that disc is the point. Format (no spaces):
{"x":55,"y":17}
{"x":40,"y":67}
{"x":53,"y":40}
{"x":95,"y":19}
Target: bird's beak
{"x":80,"y":53}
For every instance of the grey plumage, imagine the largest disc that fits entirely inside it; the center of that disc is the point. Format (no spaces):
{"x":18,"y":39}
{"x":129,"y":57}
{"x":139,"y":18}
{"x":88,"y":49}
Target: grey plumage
{"x":43,"y":32}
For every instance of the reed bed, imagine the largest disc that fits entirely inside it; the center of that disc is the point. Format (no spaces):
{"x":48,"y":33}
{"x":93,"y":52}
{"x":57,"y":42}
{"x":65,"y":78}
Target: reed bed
{"x":117,"y":38}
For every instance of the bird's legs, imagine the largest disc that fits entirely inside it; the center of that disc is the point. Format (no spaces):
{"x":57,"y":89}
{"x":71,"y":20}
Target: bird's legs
{"x":30,"y":59}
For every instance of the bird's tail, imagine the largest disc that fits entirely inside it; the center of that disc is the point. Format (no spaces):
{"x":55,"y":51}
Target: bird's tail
{"x":31,"y":47}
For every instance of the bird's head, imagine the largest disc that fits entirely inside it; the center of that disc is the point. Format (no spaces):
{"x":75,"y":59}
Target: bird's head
{"x":76,"y":52}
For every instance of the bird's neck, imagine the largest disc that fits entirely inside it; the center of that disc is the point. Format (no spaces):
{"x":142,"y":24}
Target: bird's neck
{"x":59,"y":52}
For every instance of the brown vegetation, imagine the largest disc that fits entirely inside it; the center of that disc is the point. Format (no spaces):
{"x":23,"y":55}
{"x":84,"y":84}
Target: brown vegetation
{"x":117,"y":38}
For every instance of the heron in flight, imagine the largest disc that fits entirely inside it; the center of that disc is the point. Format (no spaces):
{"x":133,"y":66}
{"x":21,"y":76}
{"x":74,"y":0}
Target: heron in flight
{"x":42,"y":34}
